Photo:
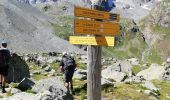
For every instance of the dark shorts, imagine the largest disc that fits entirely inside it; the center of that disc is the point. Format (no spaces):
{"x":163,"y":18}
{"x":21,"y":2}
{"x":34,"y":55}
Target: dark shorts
{"x":68,"y":74}
{"x":4,"y":70}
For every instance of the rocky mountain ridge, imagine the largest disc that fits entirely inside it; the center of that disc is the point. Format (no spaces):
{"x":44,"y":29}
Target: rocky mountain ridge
{"x":28,"y":30}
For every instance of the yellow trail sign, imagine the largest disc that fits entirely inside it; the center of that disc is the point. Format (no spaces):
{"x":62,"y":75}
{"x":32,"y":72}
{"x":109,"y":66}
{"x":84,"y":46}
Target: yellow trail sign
{"x":96,"y":14}
{"x":92,"y":40}
{"x":97,"y":31}
{"x":95,"y":24}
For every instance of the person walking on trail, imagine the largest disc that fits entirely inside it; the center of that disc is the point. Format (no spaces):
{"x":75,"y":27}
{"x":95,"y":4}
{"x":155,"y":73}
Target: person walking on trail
{"x":68,"y":65}
{"x":4,"y":60}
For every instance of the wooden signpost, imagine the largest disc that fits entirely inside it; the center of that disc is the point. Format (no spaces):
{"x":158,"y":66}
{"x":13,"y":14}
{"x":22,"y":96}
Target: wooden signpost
{"x":96,"y":31}
{"x":92,"y":40}
{"x":95,"y":14}
{"x":96,"y":27}
{"x":101,"y":23}
{"x":95,"y":24}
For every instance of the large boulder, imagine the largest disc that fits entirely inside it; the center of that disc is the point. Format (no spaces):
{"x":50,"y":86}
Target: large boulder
{"x":53,"y":85}
{"x":134,"y":61}
{"x":80,"y":74}
{"x":166,"y":73}
{"x":113,"y":75}
{"x":150,"y":86}
{"x":45,"y":95}
{"x":21,"y":96}
{"x":18,"y":69}
{"x":125,"y":66}
{"x":26,"y":84}
{"x":168,"y":60}
{"x":105,"y":82}
{"x":155,"y":71}
{"x":151,"y":89}
{"x":135,"y":79}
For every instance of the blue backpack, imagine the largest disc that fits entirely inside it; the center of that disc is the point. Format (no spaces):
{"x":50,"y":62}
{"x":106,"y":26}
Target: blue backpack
{"x":107,"y":5}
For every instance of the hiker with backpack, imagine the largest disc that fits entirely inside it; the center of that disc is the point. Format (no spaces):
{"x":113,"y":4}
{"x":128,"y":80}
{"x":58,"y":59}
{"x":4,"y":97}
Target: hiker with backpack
{"x":4,"y":60}
{"x":68,"y":65}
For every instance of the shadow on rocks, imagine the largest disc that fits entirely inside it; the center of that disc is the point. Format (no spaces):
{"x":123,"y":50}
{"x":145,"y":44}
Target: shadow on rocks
{"x":68,"y":97}
{"x":18,"y":69}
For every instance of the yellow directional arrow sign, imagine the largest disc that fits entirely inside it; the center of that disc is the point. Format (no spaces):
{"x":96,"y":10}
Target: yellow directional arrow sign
{"x":97,"y":31}
{"x":95,"y":24}
{"x":92,"y":40}
{"x":89,"y":13}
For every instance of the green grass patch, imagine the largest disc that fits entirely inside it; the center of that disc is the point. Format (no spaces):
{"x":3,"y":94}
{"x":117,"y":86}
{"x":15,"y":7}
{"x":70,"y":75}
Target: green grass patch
{"x":161,"y":30}
{"x":64,"y":28}
{"x":136,"y":69}
{"x":164,"y":87}
{"x":81,"y":65}
{"x":32,"y":66}
{"x":39,"y":77}
{"x":131,"y":47}
{"x":14,"y":85}
{"x":127,"y":92}
{"x":30,"y":91}
{"x":168,"y":52}
{"x":55,"y":66}
{"x":80,"y":89}
{"x":154,"y":56}
{"x":8,"y":94}
{"x":83,"y":95}
{"x":114,"y":52}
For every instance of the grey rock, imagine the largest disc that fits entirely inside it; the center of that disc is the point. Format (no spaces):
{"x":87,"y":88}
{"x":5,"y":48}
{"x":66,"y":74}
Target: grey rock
{"x":52,"y":71}
{"x":113,"y":75}
{"x":166,"y":73}
{"x":134,"y":61}
{"x":83,"y":61}
{"x":155,"y":71}
{"x":168,"y":60}
{"x":41,"y":59}
{"x":115,"y":67}
{"x":45,"y":95}
{"x":80,"y":74}
{"x":168,"y":97}
{"x":53,"y":85}
{"x":135,"y":79}
{"x":15,"y":91}
{"x":52,"y":60}
{"x":25,"y":84}
{"x":48,"y":68}
{"x":20,"y":96}
{"x":84,"y":57}
{"x":148,"y":92}
{"x":127,"y":6}
{"x":150,"y":86}
{"x":126,"y":67}
{"x":18,"y":69}
{"x":105,"y":82}
{"x":37,"y":72}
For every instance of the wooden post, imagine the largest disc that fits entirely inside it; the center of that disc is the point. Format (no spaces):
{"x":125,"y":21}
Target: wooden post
{"x":94,"y":72}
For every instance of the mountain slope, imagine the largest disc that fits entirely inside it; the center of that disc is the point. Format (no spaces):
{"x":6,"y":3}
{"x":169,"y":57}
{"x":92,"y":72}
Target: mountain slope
{"x":27,"y":30}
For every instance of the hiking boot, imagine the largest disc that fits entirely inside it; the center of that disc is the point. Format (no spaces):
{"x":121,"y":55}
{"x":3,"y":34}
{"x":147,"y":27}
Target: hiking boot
{"x":0,"y":84}
{"x":3,"y":89}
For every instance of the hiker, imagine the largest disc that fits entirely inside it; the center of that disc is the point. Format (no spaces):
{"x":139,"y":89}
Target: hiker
{"x":68,"y":65}
{"x":4,"y":60}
